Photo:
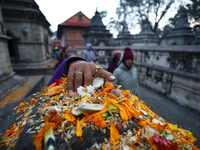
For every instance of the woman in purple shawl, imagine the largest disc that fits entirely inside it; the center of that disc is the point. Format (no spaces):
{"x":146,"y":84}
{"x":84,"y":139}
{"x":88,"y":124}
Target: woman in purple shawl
{"x":79,"y":72}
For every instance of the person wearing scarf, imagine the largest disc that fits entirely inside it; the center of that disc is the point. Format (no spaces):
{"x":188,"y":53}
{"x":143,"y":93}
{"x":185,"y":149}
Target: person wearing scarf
{"x":114,"y":61}
{"x":126,"y":73}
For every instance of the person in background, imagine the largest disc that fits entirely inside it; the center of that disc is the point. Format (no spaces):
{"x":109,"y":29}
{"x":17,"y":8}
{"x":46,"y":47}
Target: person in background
{"x":63,"y":55}
{"x":89,"y":54}
{"x":126,"y":74}
{"x":57,"y":53}
{"x":114,"y":61}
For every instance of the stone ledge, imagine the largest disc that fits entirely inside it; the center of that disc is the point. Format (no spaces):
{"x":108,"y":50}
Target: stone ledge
{"x":28,"y":86}
{"x":170,"y":70}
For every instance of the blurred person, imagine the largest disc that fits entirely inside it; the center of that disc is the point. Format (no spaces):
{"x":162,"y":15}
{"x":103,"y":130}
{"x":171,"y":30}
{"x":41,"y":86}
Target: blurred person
{"x":114,"y":61}
{"x":79,"y":72}
{"x":126,"y":74}
{"x":63,"y":54}
{"x":88,"y":53}
{"x":57,"y":53}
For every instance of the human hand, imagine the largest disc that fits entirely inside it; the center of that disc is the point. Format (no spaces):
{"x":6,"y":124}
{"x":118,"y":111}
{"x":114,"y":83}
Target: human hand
{"x":85,"y":72}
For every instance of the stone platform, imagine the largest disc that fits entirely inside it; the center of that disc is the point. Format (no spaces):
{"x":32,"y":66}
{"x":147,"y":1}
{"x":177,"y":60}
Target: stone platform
{"x":47,"y":67}
{"x":17,"y":87}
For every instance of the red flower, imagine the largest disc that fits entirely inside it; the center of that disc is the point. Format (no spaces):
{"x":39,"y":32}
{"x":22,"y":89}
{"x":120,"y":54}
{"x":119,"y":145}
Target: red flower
{"x":163,"y":143}
{"x":58,"y":81}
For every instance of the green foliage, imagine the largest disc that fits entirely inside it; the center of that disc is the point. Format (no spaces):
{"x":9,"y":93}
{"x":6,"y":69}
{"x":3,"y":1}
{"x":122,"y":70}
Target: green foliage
{"x":193,"y":10}
{"x":180,"y":10}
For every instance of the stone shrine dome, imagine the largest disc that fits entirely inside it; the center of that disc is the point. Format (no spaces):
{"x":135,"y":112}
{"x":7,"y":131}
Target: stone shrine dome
{"x":145,"y":37}
{"x":96,"y":33}
{"x":124,"y":37}
{"x":181,"y":34}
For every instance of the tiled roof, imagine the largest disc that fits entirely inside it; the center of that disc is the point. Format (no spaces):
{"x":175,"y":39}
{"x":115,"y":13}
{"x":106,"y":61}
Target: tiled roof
{"x":71,"y":22}
{"x":81,"y":24}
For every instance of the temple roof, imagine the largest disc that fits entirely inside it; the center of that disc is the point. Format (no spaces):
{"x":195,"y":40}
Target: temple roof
{"x":96,"y":26}
{"x":146,"y":33}
{"x":96,"y":20}
{"x":182,"y":22}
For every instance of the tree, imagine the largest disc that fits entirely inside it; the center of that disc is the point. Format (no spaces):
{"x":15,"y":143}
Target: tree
{"x":166,"y":30}
{"x":103,"y":13}
{"x":193,"y":10}
{"x":141,"y":10}
{"x":181,"y":9}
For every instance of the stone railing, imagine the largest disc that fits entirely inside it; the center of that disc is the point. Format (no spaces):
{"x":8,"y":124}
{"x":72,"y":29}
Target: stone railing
{"x":171,"y":70}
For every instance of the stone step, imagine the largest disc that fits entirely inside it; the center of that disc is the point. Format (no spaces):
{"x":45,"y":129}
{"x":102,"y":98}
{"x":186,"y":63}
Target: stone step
{"x":25,"y":87}
{"x":48,"y":67}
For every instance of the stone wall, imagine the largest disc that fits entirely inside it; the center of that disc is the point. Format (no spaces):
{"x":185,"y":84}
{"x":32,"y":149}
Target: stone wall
{"x":172,"y":70}
{"x":34,"y":41}
{"x":5,"y":63}
{"x":31,"y":29}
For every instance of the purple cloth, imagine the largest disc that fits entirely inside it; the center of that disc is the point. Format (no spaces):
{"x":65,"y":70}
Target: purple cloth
{"x":113,"y":64}
{"x":63,"y":68}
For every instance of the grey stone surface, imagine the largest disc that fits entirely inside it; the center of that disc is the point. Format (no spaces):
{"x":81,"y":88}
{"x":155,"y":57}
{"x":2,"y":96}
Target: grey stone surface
{"x":9,"y":83}
{"x":5,"y":63}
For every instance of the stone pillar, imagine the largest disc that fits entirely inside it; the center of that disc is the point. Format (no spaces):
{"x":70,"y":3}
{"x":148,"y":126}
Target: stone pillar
{"x":5,"y":63}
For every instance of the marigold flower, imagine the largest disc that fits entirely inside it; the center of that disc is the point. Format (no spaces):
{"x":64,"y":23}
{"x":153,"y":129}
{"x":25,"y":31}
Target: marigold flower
{"x":79,"y":131}
{"x":114,"y":133}
{"x":99,"y":121}
{"x":69,"y":116}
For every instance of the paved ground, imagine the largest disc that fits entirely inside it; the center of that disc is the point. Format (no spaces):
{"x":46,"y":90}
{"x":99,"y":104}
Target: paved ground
{"x":172,"y":112}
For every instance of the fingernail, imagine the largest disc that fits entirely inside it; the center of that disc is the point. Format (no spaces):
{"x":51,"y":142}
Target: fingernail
{"x":112,"y":77}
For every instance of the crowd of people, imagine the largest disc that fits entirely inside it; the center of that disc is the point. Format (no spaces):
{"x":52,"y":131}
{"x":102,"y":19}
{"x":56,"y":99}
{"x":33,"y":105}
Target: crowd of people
{"x":81,"y":70}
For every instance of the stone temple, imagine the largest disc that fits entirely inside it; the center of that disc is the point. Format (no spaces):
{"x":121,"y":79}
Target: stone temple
{"x":124,"y":37}
{"x":181,"y":34}
{"x":96,"y":33}
{"x":28,"y":29}
{"x":145,"y":37}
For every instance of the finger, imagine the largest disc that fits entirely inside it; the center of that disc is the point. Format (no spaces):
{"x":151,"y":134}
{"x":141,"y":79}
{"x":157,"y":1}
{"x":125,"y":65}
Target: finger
{"x":78,"y":81}
{"x":70,"y":79}
{"x":88,"y":78}
{"x":105,"y":74}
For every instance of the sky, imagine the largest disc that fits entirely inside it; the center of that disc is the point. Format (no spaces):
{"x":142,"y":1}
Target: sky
{"x":57,"y":11}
